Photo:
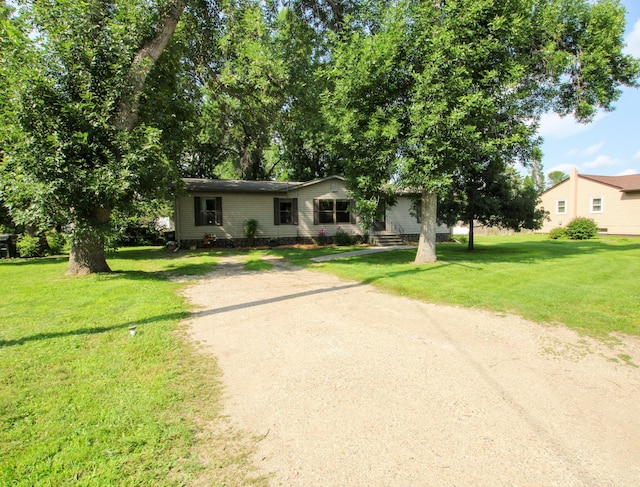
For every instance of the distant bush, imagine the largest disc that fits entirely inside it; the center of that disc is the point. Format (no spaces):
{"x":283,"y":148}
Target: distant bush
{"x":56,"y":242}
{"x":582,"y":228}
{"x":558,"y":232}
{"x":342,"y":238}
{"x":29,"y":246}
{"x":463,"y":239}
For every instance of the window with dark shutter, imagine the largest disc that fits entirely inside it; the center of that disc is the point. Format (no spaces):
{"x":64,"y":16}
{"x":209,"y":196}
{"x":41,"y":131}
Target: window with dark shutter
{"x":285,"y":211}
{"x":208,"y":213}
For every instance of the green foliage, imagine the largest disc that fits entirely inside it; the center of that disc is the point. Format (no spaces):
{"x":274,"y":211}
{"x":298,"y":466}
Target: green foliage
{"x":29,"y":246}
{"x":250,"y":230}
{"x":556,"y":177}
{"x":444,"y":92}
{"x":57,"y":242}
{"x":342,"y":238}
{"x":582,"y":228}
{"x":557,"y":233}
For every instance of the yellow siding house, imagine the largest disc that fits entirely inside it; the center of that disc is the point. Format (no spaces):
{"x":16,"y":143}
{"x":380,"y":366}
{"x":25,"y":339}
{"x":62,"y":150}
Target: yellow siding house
{"x":612,"y":201}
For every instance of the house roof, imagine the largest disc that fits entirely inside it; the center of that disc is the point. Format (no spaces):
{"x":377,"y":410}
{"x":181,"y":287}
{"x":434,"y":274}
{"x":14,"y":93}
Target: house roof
{"x":238,"y":186}
{"x":626,"y":184}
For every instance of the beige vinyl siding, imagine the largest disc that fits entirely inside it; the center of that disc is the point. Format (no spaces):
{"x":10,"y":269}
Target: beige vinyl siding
{"x":237,"y":208}
{"x":331,"y":190}
{"x":620,"y":211}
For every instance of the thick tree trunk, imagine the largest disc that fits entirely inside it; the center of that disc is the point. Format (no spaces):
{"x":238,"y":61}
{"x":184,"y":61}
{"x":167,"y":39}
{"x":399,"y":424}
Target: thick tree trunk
{"x":87,"y":247}
{"x":87,"y":250}
{"x":470,"y":244}
{"x":87,"y":256}
{"x":427,"y":245}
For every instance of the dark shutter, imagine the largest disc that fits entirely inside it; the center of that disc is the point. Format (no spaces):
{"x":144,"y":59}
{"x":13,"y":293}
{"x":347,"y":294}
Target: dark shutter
{"x":219,"y":210}
{"x":294,"y":211}
{"x":316,"y":212}
{"x":276,"y":211}
{"x":352,"y":212}
{"x":197,"y":209}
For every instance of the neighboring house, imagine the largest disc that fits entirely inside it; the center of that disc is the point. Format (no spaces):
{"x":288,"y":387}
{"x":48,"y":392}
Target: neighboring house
{"x":214,"y":212}
{"x":612,"y":201}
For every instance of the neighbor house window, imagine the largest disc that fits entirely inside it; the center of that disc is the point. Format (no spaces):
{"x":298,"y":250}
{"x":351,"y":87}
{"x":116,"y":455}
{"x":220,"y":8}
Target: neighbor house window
{"x":327,"y":211}
{"x":596,"y":205}
{"x":561,"y":207}
{"x":207,"y":211}
{"x":285,"y":211}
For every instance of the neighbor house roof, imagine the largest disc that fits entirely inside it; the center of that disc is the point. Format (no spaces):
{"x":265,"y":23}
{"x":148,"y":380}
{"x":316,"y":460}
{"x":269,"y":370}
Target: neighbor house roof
{"x":626,"y":184}
{"x":237,"y":186}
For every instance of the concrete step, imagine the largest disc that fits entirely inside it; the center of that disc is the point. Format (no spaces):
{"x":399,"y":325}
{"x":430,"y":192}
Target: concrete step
{"x":386,"y":239}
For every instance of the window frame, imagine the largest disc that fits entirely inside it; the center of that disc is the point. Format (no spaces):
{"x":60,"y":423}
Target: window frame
{"x":205,"y":217}
{"x":321,"y":211}
{"x":278,"y":211}
{"x":558,"y":212}
{"x":600,"y":205}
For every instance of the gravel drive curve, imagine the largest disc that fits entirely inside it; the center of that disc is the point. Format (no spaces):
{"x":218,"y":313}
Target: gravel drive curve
{"x":343,"y":385}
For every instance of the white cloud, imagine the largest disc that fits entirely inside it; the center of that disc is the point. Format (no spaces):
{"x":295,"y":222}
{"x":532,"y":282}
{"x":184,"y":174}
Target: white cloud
{"x":627,"y":172}
{"x":601,"y":161}
{"x":592,"y":149}
{"x":633,"y":41}
{"x":554,"y":126}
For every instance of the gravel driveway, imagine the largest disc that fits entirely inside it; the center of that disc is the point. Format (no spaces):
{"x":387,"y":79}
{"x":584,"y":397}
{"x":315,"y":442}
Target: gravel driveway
{"x":346,"y":386}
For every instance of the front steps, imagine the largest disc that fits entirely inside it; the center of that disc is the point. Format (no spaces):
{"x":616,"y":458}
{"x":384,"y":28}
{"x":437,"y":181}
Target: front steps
{"x":385,"y":239}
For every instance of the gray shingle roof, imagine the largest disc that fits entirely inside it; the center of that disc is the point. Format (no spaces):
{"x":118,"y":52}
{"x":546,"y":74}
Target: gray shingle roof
{"x":238,"y":186}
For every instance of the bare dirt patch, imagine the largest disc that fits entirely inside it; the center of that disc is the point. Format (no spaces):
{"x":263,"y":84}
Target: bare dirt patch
{"x":341,"y":384}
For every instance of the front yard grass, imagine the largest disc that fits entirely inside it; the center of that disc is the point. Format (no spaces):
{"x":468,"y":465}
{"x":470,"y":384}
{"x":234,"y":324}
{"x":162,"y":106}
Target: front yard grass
{"x":82,"y":402}
{"x":591,"y":285}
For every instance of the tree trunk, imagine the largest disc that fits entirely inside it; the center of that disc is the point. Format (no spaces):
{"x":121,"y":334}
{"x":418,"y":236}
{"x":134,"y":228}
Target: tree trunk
{"x":127,"y":115}
{"x":427,"y":245}
{"x":470,"y":241}
{"x":87,"y":256}
{"x":87,"y":247}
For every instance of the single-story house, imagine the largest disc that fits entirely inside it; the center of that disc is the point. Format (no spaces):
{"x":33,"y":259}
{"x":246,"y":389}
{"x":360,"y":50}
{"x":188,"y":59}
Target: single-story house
{"x":612,"y":201}
{"x":214,"y":212}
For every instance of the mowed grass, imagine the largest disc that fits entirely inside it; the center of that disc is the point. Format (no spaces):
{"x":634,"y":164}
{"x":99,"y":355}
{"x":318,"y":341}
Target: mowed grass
{"x":590,"y":285}
{"x":82,"y":402}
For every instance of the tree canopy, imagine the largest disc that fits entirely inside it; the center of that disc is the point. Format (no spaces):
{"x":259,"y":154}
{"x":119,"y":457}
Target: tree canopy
{"x":105,"y":104}
{"x":449,"y":88}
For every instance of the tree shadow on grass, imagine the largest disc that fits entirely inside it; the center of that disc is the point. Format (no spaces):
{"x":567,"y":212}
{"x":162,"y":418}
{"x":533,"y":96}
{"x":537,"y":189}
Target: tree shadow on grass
{"x":93,"y":330}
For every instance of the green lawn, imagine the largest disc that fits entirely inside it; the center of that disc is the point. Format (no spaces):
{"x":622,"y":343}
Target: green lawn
{"x":82,"y":402}
{"x":592,"y":285}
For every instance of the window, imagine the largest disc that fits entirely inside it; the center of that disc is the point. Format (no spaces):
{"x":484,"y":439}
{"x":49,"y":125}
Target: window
{"x":596,"y":205}
{"x":342,"y":211}
{"x":326,"y":211}
{"x":207,"y":211}
{"x":285,"y":211}
{"x":561,"y":207}
{"x":332,"y":211}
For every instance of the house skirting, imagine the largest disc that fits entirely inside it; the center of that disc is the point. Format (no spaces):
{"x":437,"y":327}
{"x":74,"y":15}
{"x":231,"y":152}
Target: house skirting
{"x":222,"y":243}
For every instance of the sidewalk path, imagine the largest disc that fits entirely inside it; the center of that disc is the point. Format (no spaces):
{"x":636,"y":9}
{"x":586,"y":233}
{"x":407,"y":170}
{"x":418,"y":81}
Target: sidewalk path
{"x":354,"y":253}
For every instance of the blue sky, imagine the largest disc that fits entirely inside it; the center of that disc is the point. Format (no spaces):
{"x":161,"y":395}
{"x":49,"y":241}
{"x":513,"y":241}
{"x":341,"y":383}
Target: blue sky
{"x":608,"y":146}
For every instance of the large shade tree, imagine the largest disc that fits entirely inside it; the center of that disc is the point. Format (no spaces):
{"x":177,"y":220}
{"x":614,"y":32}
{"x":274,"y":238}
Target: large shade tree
{"x":442,"y":86}
{"x":77,"y":145}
